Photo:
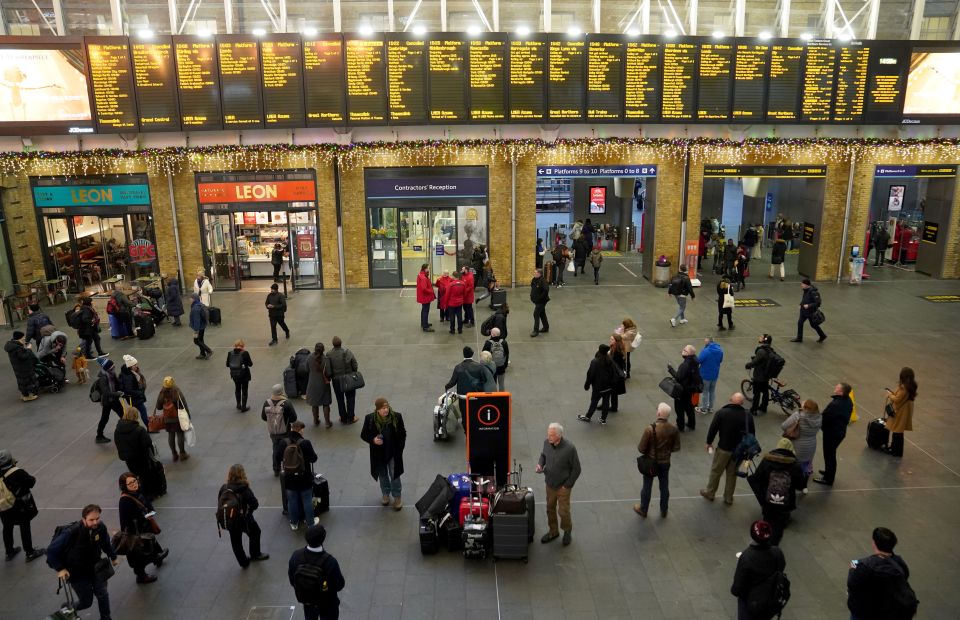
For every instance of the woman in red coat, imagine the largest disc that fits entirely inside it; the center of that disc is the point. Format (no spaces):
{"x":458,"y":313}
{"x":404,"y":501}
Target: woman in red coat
{"x":425,"y":297}
{"x":456,"y":295}
{"x":468,"y":296}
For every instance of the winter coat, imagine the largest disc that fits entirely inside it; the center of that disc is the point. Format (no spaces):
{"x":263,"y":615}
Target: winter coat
{"x":36,"y":321}
{"x":804,"y":446}
{"x":132,"y":509}
{"x":756,"y":564}
{"x":279,"y":303}
{"x":342,"y":361}
{"x":394,"y":440}
{"x":198,"y":316}
{"x":276,"y":257}
{"x":500,"y":322}
{"x":779,"y":252}
{"x":173,"y":299}
{"x":89,"y":321}
{"x":470,"y":376}
{"x":869,"y":586}
{"x":78,"y":548}
{"x":680,"y":285}
{"x":601,"y":375}
{"x":488,"y":346}
{"x":723,"y":287}
{"x":539,"y":291}
{"x":424,"y":289}
{"x":587,"y":232}
{"x":836,"y":417}
{"x":289,"y":413}
{"x":580,"y":250}
{"x":303,"y":480}
{"x":49,"y":345}
{"x":468,"y":288}
{"x":903,"y":407}
{"x":204,"y":289}
{"x":23,"y":361}
{"x":730,"y":423}
{"x":777,"y":460}
{"x":660,"y":443}
{"x":882,"y":240}
{"x":710,"y":358}
{"x":760,"y":362}
{"x":19,"y":482}
{"x":456,"y":293}
{"x":688,"y":375}
{"x":133,"y":441}
{"x":628,"y":336}
{"x":110,"y":391}
{"x":245,"y":360}
{"x":596,"y":258}
{"x":443,"y":283}
{"x":811,"y":299}
{"x":248,"y":503}
{"x":131,"y":385}
{"x":318,"y":383}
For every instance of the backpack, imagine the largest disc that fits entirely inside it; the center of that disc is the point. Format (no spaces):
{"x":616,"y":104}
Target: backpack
{"x":73,"y":317}
{"x":768,"y":598}
{"x":903,"y":600}
{"x":7,"y":498}
{"x":112,"y":306}
{"x":95,"y":394}
{"x":676,"y":285}
{"x":775,"y":364}
{"x":276,"y":425}
{"x":496,"y":351}
{"x":235,"y":362}
{"x":293,"y":462}
{"x":778,"y":488}
{"x":229,"y":509}
{"x":487,"y":325}
{"x":310,"y":582}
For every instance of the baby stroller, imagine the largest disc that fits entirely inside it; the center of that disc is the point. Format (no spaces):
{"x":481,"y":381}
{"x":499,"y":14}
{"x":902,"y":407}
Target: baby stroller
{"x":50,"y":378}
{"x":442,"y":415}
{"x":149,"y":306}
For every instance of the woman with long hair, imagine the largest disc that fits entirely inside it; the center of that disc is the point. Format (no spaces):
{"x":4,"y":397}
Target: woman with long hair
{"x":319,"y":393}
{"x":134,"y":520}
{"x":618,"y":357}
{"x":237,"y":491}
{"x":169,"y":401}
{"x":600,"y":380}
{"x":899,"y":410}
{"x":239,"y":363}
{"x":627,"y":329}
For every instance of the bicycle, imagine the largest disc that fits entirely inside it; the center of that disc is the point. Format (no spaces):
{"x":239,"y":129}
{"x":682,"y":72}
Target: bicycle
{"x":789,"y":400}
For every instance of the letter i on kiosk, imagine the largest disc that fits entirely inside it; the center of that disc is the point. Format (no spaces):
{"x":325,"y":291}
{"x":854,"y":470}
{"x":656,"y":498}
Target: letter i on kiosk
{"x":489,"y":418}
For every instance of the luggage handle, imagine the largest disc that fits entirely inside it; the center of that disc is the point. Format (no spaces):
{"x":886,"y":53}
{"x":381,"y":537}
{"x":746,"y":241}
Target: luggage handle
{"x":63,"y":584}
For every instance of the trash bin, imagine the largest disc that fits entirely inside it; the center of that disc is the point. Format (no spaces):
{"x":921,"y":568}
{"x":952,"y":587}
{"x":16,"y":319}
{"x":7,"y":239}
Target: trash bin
{"x":856,"y":270}
{"x":661,"y":272}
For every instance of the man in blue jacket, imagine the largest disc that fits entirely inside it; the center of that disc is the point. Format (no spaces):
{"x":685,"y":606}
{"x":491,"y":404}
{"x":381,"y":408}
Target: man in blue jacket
{"x":74,"y":554}
{"x":710,"y":358}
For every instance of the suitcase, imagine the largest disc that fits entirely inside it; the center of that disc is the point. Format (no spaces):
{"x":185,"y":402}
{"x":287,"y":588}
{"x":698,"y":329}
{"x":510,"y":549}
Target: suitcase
{"x":461,"y":484}
{"x":476,"y":527}
{"x":117,"y":329}
{"x":441,"y":418}
{"x":519,"y":502}
{"x":498,"y":297}
{"x":474,"y":507}
{"x":146,"y":328}
{"x":155,"y":484}
{"x":450,"y":533}
{"x":321,"y":495}
{"x":213,"y":315}
{"x":877,"y":434}
{"x":428,"y":537}
{"x":290,"y":382}
{"x":510,"y":537}
{"x":68,"y":609}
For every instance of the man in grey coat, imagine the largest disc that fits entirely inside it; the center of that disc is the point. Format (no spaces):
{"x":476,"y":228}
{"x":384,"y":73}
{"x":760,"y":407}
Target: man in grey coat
{"x":560,"y":465}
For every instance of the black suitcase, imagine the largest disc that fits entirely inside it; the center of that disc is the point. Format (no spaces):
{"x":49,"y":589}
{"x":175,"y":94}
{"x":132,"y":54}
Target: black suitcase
{"x":517,"y":502}
{"x":155,"y":484}
{"x":510,"y":536}
{"x":213,"y":315}
{"x":321,"y":495}
{"x":498,"y":297}
{"x":290,"y":382}
{"x":476,"y":537}
{"x":146,"y":328}
{"x":877,"y":434}
{"x":428,"y":537}
{"x":450,"y":533}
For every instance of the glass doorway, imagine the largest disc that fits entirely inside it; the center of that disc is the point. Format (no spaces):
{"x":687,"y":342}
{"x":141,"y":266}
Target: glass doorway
{"x":304,"y":250}
{"x":222,"y":253}
{"x":427,"y":236}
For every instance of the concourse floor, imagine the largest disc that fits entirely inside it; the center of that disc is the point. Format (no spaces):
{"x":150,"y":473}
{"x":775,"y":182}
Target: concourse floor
{"x":618,"y":565}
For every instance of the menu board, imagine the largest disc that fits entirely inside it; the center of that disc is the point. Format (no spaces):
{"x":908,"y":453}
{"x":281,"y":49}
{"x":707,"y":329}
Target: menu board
{"x":565,"y":87}
{"x":886,"y":83}
{"x":198,"y":83}
{"x":323,"y":82}
{"x":605,"y":79}
{"x":716,"y":77}
{"x":407,"y":80}
{"x":527,"y":64}
{"x":111,"y":76}
{"x":818,"y":79}
{"x":783,"y":91}
{"x":282,"y":81}
{"x":240,"y":82}
{"x":641,"y":82}
{"x":751,"y":64}
{"x":679,"y":75}
{"x":154,"y":80}
{"x":851,"y":93}
{"x":488,"y":80}
{"x":448,"y":80}
{"x":366,"y":81}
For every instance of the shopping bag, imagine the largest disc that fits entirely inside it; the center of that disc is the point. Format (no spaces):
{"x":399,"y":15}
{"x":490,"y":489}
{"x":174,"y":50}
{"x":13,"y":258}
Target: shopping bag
{"x":190,"y":437}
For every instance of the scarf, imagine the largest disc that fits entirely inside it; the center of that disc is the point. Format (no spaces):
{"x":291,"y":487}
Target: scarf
{"x":382,"y":422}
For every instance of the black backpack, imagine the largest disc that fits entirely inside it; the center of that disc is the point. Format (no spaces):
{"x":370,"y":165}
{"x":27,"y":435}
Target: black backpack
{"x":487,"y":325}
{"x":768,"y":598}
{"x":229,"y":509}
{"x":293,"y":463}
{"x":95,"y":394}
{"x":676,"y":285}
{"x":73,"y":317}
{"x":310,"y":582}
{"x":73,"y":527}
{"x":903,"y":600}
{"x":775,"y":364}
{"x":235,"y":362}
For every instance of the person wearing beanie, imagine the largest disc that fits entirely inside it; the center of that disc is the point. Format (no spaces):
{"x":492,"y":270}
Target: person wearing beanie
{"x":873,"y":581}
{"x":601,"y":376}
{"x":810,"y":311}
{"x":775,"y":483}
{"x":680,"y":287}
{"x":110,"y":394}
{"x":384,"y":431}
{"x":36,"y":320}
{"x":316,"y":577}
{"x":343,"y":362}
{"x":659,"y":441}
{"x":759,"y":364}
{"x":89,"y":327}
{"x":469,"y":376}
{"x":279,"y":414}
{"x":23,"y":360}
{"x":199,"y":319}
{"x":134,"y":386}
{"x":276,"y":305}
{"x":756,"y":564}
{"x":24,"y":508}
{"x":297,"y":457}
{"x":169,"y":401}
{"x":688,"y":377}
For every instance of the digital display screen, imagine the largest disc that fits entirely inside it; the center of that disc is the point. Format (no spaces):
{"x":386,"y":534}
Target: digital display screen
{"x":565,"y":87}
{"x":155,"y":82}
{"x":715,"y":79}
{"x":886,"y":83}
{"x":323,"y":82}
{"x":641,"y":91}
{"x":784,"y":83}
{"x":282,"y":81}
{"x":240,"y":82}
{"x":751,"y":65}
{"x":679,"y":75}
{"x":933,"y":84}
{"x":605,"y":79}
{"x":111,"y":77}
{"x":448,"y":80}
{"x":598,"y":199}
{"x":818,"y":80}
{"x":198,"y":83}
{"x":851,"y":94}
{"x":407,"y":79}
{"x":488,"y":80}
{"x":366,"y":81}
{"x":527,"y":80}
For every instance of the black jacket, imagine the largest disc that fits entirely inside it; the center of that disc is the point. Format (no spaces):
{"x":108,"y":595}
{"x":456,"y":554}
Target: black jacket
{"x":23,"y":360}
{"x":539,"y":291}
{"x":248,"y":502}
{"x":19,"y":482}
{"x":688,"y":375}
{"x":78,"y":549}
{"x":89,"y":321}
{"x":869,"y":586}
{"x":500,"y":322}
{"x":600,"y":375}
{"x":276,"y":257}
{"x":882,"y":240}
{"x":779,"y":252}
{"x":760,"y":362}
{"x":304,"y":480}
{"x":130,"y":385}
{"x":811,"y":298}
{"x":394,"y":440}
{"x":34,"y":322}
{"x":331,"y":571}
{"x":110,"y":391}
{"x":777,"y":460}
{"x":133,"y":441}
{"x":173,"y":299}
{"x":243,"y":374}
{"x":580,"y":251}
{"x":756,"y":564}
{"x":680,"y":285}
{"x":279,"y":303}
{"x":730,"y":422}
{"x":836,"y":417}
{"x":469,"y":376}
{"x":132,"y":519}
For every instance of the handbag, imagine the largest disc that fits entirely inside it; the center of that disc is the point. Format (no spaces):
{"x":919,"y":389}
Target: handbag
{"x":817,"y":317}
{"x":190,"y":437}
{"x":889,"y":411}
{"x":671,"y":387}
{"x":647,"y":465}
{"x":155,"y":422}
{"x":636,"y":341}
{"x":570,"y":267}
{"x":125,"y":543}
{"x":351,"y":381}
{"x":793,"y":432}
{"x":103,"y":570}
{"x":746,"y":468}
{"x":154,"y":526}
{"x":183,"y":415}
{"x":728,"y":300}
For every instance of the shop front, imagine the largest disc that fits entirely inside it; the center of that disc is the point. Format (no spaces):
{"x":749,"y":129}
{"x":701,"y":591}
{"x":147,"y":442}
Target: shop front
{"x":95,"y":230}
{"x":244,"y":215}
{"x":415,"y":216}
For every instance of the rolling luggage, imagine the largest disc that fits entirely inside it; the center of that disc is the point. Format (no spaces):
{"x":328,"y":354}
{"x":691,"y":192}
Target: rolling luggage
{"x":476,"y":528}
{"x":548,"y":271}
{"x":441,"y":416}
{"x":877,"y":434}
{"x":472,"y":506}
{"x":290,"y":382}
{"x":450,"y":533}
{"x":213,"y":315}
{"x":510,"y":536}
{"x":155,"y":484}
{"x":68,"y":609}
{"x":461,"y":484}
{"x":117,"y":329}
{"x":146,"y":328}
{"x":428,"y":537}
{"x":498,"y":297}
{"x":321,"y":495}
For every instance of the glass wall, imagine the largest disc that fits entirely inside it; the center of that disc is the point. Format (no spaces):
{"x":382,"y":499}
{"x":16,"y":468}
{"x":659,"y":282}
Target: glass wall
{"x":24,"y":17}
{"x":89,"y":17}
{"x":137,"y":16}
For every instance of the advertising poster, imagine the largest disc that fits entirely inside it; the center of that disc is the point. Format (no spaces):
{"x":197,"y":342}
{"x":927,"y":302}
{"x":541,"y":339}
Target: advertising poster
{"x":598,"y":199}
{"x":305,"y":245}
{"x":43,"y":85}
{"x":895,"y":200}
{"x":471,"y":230}
{"x":933,"y":85}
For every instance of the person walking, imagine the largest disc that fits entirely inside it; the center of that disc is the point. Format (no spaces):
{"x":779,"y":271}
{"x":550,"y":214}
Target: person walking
{"x":173,"y":302}
{"x":561,"y":255}
{"x":319,"y":394}
{"x":75,"y":555}
{"x":279,"y":414}
{"x":710,"y":359}
{"x":276,"y":305}
{"x":239,"y":362}
{"x":276,"y":260}
{"x":587,"y":232}
{"x":24,"y":361}
{"x":384,"y":431}
{"x":425,"y":297}
{"x":898,"y":410}
{"x":881,"y":243}
{"x":580,"y":251}
{"x":134,"y":509}
{"x":728,"y":426}
{"x":834,"y":421}
{"x":540,"y":251}
{"x":342,"y":362}
{"x":37,"y":319}
{"x":203,"y":287}
{"x":540,"y":296}
{"x":600,"y":383}
{"x":456,"y":294}
{"x":135,"y":449}
{"x":297,"y":457}
{"x":659,"y":441}
{"x":618,"y":357}
{"x":777,"y":256}
{"x":760,"y":364}
{"x":874,"y":582}
{"x":628,"y":330}
{"x":775,"y":484}
{"x":169,"y":401}
{"x":236,"y":497}
{"x":89,"y":328}
{"x":499,"y":319}
{"x":560,"y":465}
{"x":21,"y":512}
{"x":756,"y":564}
{"x":688,"y":377}
{"x":724,"y":306}
{"x":468,"y":376}
{"x":750,"y":239}
{"x":679,"y":288}
{"x":596,"y":259}
{"x":79,"y":366}
{"x":199,"y":320}
{"x":809,"y":306}
{"x":108,"y":385}
{"x":316,"y":577}
{"x":500,"y":353}
{"x":809,"y":420}
{"x":469,"y":295}
{"x":134,"y":386}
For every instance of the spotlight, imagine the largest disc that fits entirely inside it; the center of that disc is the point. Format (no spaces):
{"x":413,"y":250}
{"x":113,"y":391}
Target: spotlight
{"x":633,"y":32}
{"x":670,"y":33}
{"x":806,"y":36}
{"x":203,"y":32}
{"x":523,"y":31}
{"x":258,"y":32}
{"x":718,"y":34}
{"x":574,"y":31}
{"x":146,"y":33}
{"x":365,"y":30}
{"x":473,"y":30}
{"x":765,"y":36}
{"x":419,"y":30}
{"x":309,"y":32}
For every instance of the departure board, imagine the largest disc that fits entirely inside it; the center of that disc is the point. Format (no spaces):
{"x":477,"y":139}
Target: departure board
{"x":448,"y":80}
{"x":886,"y":83}
{"x":605,"y":79}
{"x":240,"y":82}
{"x":323,"y":82}
{"x":716,"y":77}
{"x":783,"y":90}
{"x":154,"y":80}
{"x":851,"y":93}
{"x":282,"y":81}
{"x":198,"y":83}
{"x":818,"y":78}
{"x":488,"y":80}
{"x":641,"y":82}
{"x":407,"y":80}
{"x":679,"y":77}
{"x":565,"y":85}
{"x":366,"y":81}
{"x":527,"y":64}
{"x":111,"y":78}
{"x":751,"y":63}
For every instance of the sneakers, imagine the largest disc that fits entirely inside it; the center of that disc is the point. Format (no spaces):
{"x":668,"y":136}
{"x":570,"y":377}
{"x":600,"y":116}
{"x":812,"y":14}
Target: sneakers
{"x":261,"y":557}
{"x":36,"y":553}
{"x":28,"y":398}
{"x":294,"y":526}
{"x":385,"y":500}
{"x":673,"y":322}
{"x":683,"y":321}
{"x":271,"y":343}
{"x":548,"y":537}
{"x":821,"y":480}
{"x":583,"y":418}
{"x":603,"y":422}
{"x":102,"y":439}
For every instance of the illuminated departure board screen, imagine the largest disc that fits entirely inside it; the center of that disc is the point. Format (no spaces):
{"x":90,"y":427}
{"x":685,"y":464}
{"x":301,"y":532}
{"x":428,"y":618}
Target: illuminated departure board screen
{"x":679,"y":76}
{"x":323,"y":82}
{"x":155,"y":82}
{"x":111,"y":81}
{"x":886,"y":83}
{"x":784,"y":83}
{"x":641,"y":82}
{"x":527,"y":80}
{"x":488,"y":79}
{"x":751,"y":65}
{"x":448,"y":75}
{"x":818,"y":79}
{"x":715,"y":79}
{"x":240,"y":82}
{"x":366,"y":81}
{"x":198,"y":83}
{"x":566,"y":58}
{"x":407,"y":80}
{"x":605,"y":79}
{"x":851,"y":93}
{"x":281,"y":57}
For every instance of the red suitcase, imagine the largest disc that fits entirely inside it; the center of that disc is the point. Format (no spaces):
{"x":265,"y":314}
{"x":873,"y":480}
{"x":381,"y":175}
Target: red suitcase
{"x":467,"y":507}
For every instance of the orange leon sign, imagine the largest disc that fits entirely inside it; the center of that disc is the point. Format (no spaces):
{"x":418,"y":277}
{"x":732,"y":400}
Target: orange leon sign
{"x":253,"y":191}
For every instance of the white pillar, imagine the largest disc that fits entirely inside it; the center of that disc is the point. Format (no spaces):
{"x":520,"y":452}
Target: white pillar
{"x":740,"y":18}
{"x":116,"y":16}
{"x":174,"y":20}
{"x":228,"y":15}
{"x":547,"y":22}
{"x":784,"y":18}
{"x":337,"y":24}
{"x":916,"y":22}
{"x":596,"y":15}
{"x":283,"y":15}
{"x":443,"y":15}
{"x":829,"y":15}
{"x":496,"y":15}
{"x":58,"y":17}
{"x":694,"y":8}
{"x":644,"y":16}
{"x":873,"y":18}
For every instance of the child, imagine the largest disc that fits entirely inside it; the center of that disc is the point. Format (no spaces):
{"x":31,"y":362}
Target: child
{"x":80,"y":366}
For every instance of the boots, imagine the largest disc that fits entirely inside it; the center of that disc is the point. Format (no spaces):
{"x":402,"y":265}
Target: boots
{"x":176,"y":457}
{"x":397,"y":504}
{"x":326,"y":416}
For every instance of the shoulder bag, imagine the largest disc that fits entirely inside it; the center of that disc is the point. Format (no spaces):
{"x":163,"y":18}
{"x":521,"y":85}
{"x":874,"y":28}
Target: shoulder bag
{"x":728,"y":300}
{"x":636,"y":341}
{"x":351,"y":381}
{"x":645,"y":463}
{"x":183,"y":415}
{"x":154,"y":526}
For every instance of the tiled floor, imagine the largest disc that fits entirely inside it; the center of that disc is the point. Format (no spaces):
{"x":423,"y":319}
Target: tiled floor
{"x":618,"y":565}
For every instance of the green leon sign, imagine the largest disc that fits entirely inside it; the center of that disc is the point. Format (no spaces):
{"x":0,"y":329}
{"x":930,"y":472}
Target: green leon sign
{"x":91,"y":195}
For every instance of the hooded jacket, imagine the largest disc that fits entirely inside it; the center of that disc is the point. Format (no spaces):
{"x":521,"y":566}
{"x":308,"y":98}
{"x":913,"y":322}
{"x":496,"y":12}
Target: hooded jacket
{"x":777,"y":460}
{"x":19,"y":482}
{"x":173,"y":299}
{"x":132,"y":440}
{"x":131,"y":386}
{"x":22,"y":359}
{"x":869,"y":586}
{"x":759,"y":363}
{"x":469,"y":376}
{"x":710,"y":358}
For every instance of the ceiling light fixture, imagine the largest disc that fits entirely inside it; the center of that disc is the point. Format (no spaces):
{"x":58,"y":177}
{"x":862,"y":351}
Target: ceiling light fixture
{"x":473,"y":30}
{"x":523,"y":31}
{"x":574,"y":31}
{"x":146,"y":33}
{"x":670,"y":33}
{"x":419,"y":30}
{"x":718,"y":34}
{"x":633,"y":32}
{"x":310,"y":32}
{"x":258,"y":32}
{"x":806,"y":36}
{"x":365,"y":30}
{"x":765,"y":35}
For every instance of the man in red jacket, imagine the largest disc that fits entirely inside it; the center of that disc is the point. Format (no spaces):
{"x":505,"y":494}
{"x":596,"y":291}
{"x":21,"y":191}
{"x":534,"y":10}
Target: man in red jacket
{"x":456,"y":294}
{"x":442,"y":283}
{"x":468,"y":296}
{"x":424,"y":297}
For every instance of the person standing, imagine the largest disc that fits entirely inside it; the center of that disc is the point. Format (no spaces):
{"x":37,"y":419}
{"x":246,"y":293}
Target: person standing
{"x":173,"y":301}
{"x":121,"y":308}
{"x":170,"y":400}
{"x":342,"y":361}
{"x":442,"y":283}
{"x":500,"y":319}
{"x":756,"y":564}
{"x":36,"y":320}
{"x":750,"y":239}
{"x":680,"y":287}
{"x":24,"y":361}
{"x":898,"y":410}
{"x":540,"y":251}
{"x":133,"y":509}
{"x":561,"y":254}
{"x":777,"y":256}
{"x":540,"y":296}
{"x":384,"y":431}
{"x":688,"y":377}
{"x":627,"y":329}
{"x":758,"y":250}
{"x":728,"y":427}
{"x":134,"y":386}
{"x":316,"y":577}
{"x":297,"y":457}
{"x":75,"y":553}
{"x":425,"y":297}
{"x":560,"y":465}
{"x":456,"y":294}
{"x":237,"y":492}
{"x":110,"y":393}
{"x":588,"y":234}
{"x":775,"y":483}
{"x":134,"y":447}
{"x":618,"y":357}
{"x":469,"y":296}
{"x":881,"y":242}
{"x":276,"y":305}
{"x":89,"y":330}
{"x":760,"y":363}
{"x":810,"y":420}
{"x":873,"y":580}
{"x":659,"y":441}
{"x":23,"y":510}
{"x":809,"y":305}
{"x":500,"y":353}
{"x":276,"y":260}
{"x":319,"y":393}
{"x":710,"y":359}
{"x":279,"y":414}
{"x":834,"y":421}
{"x":596,"y":259}
{"x":723,"y":289}
{"x":600,"y":382}
{"x":198,"y":323}
{"x":580,"y":251}
{"x":239,"y":362}
{"x":203,"y":287}
{"x":468,"y":376}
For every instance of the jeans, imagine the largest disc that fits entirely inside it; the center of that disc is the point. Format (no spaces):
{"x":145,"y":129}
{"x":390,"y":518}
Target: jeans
{"x":663,"y":476}
{"x":558,"y":502}
{"x":278,"y":320}
{"x":723,"y":464}
{"x":455,"y":316}
{"x":198,"y":340}
{"x":686,"y":416}
{"x":603,"y":398}
{"x":86,"y":589}
{"x":105,"y":408}
{"x":388,"y":484}
{"x":540,"y":315}
{"x":240,"y":391}
{"x":816,"y":328}
{"x":346,"y":409}
{"x":830,"y":445}
{"x":142,"y":408}
{"x":468,"y":313}
{"x":681,"y":307}
{"x":25,"y":535}
{"x":709,"y":394}
{"x":90,"y":343}
{"x":425,"y":315}
{"x":300,"y":506}
{"x":252,"y":529}
{"x":596,"y":275}
{"x":761,"y":396}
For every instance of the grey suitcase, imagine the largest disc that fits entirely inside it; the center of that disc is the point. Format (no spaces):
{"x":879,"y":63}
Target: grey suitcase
{"x":511,"y":540}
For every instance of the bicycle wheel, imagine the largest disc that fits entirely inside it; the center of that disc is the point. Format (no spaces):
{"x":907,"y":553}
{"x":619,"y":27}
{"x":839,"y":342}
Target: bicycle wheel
{"x":790,"y":402}
{"x":746,"y":388}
